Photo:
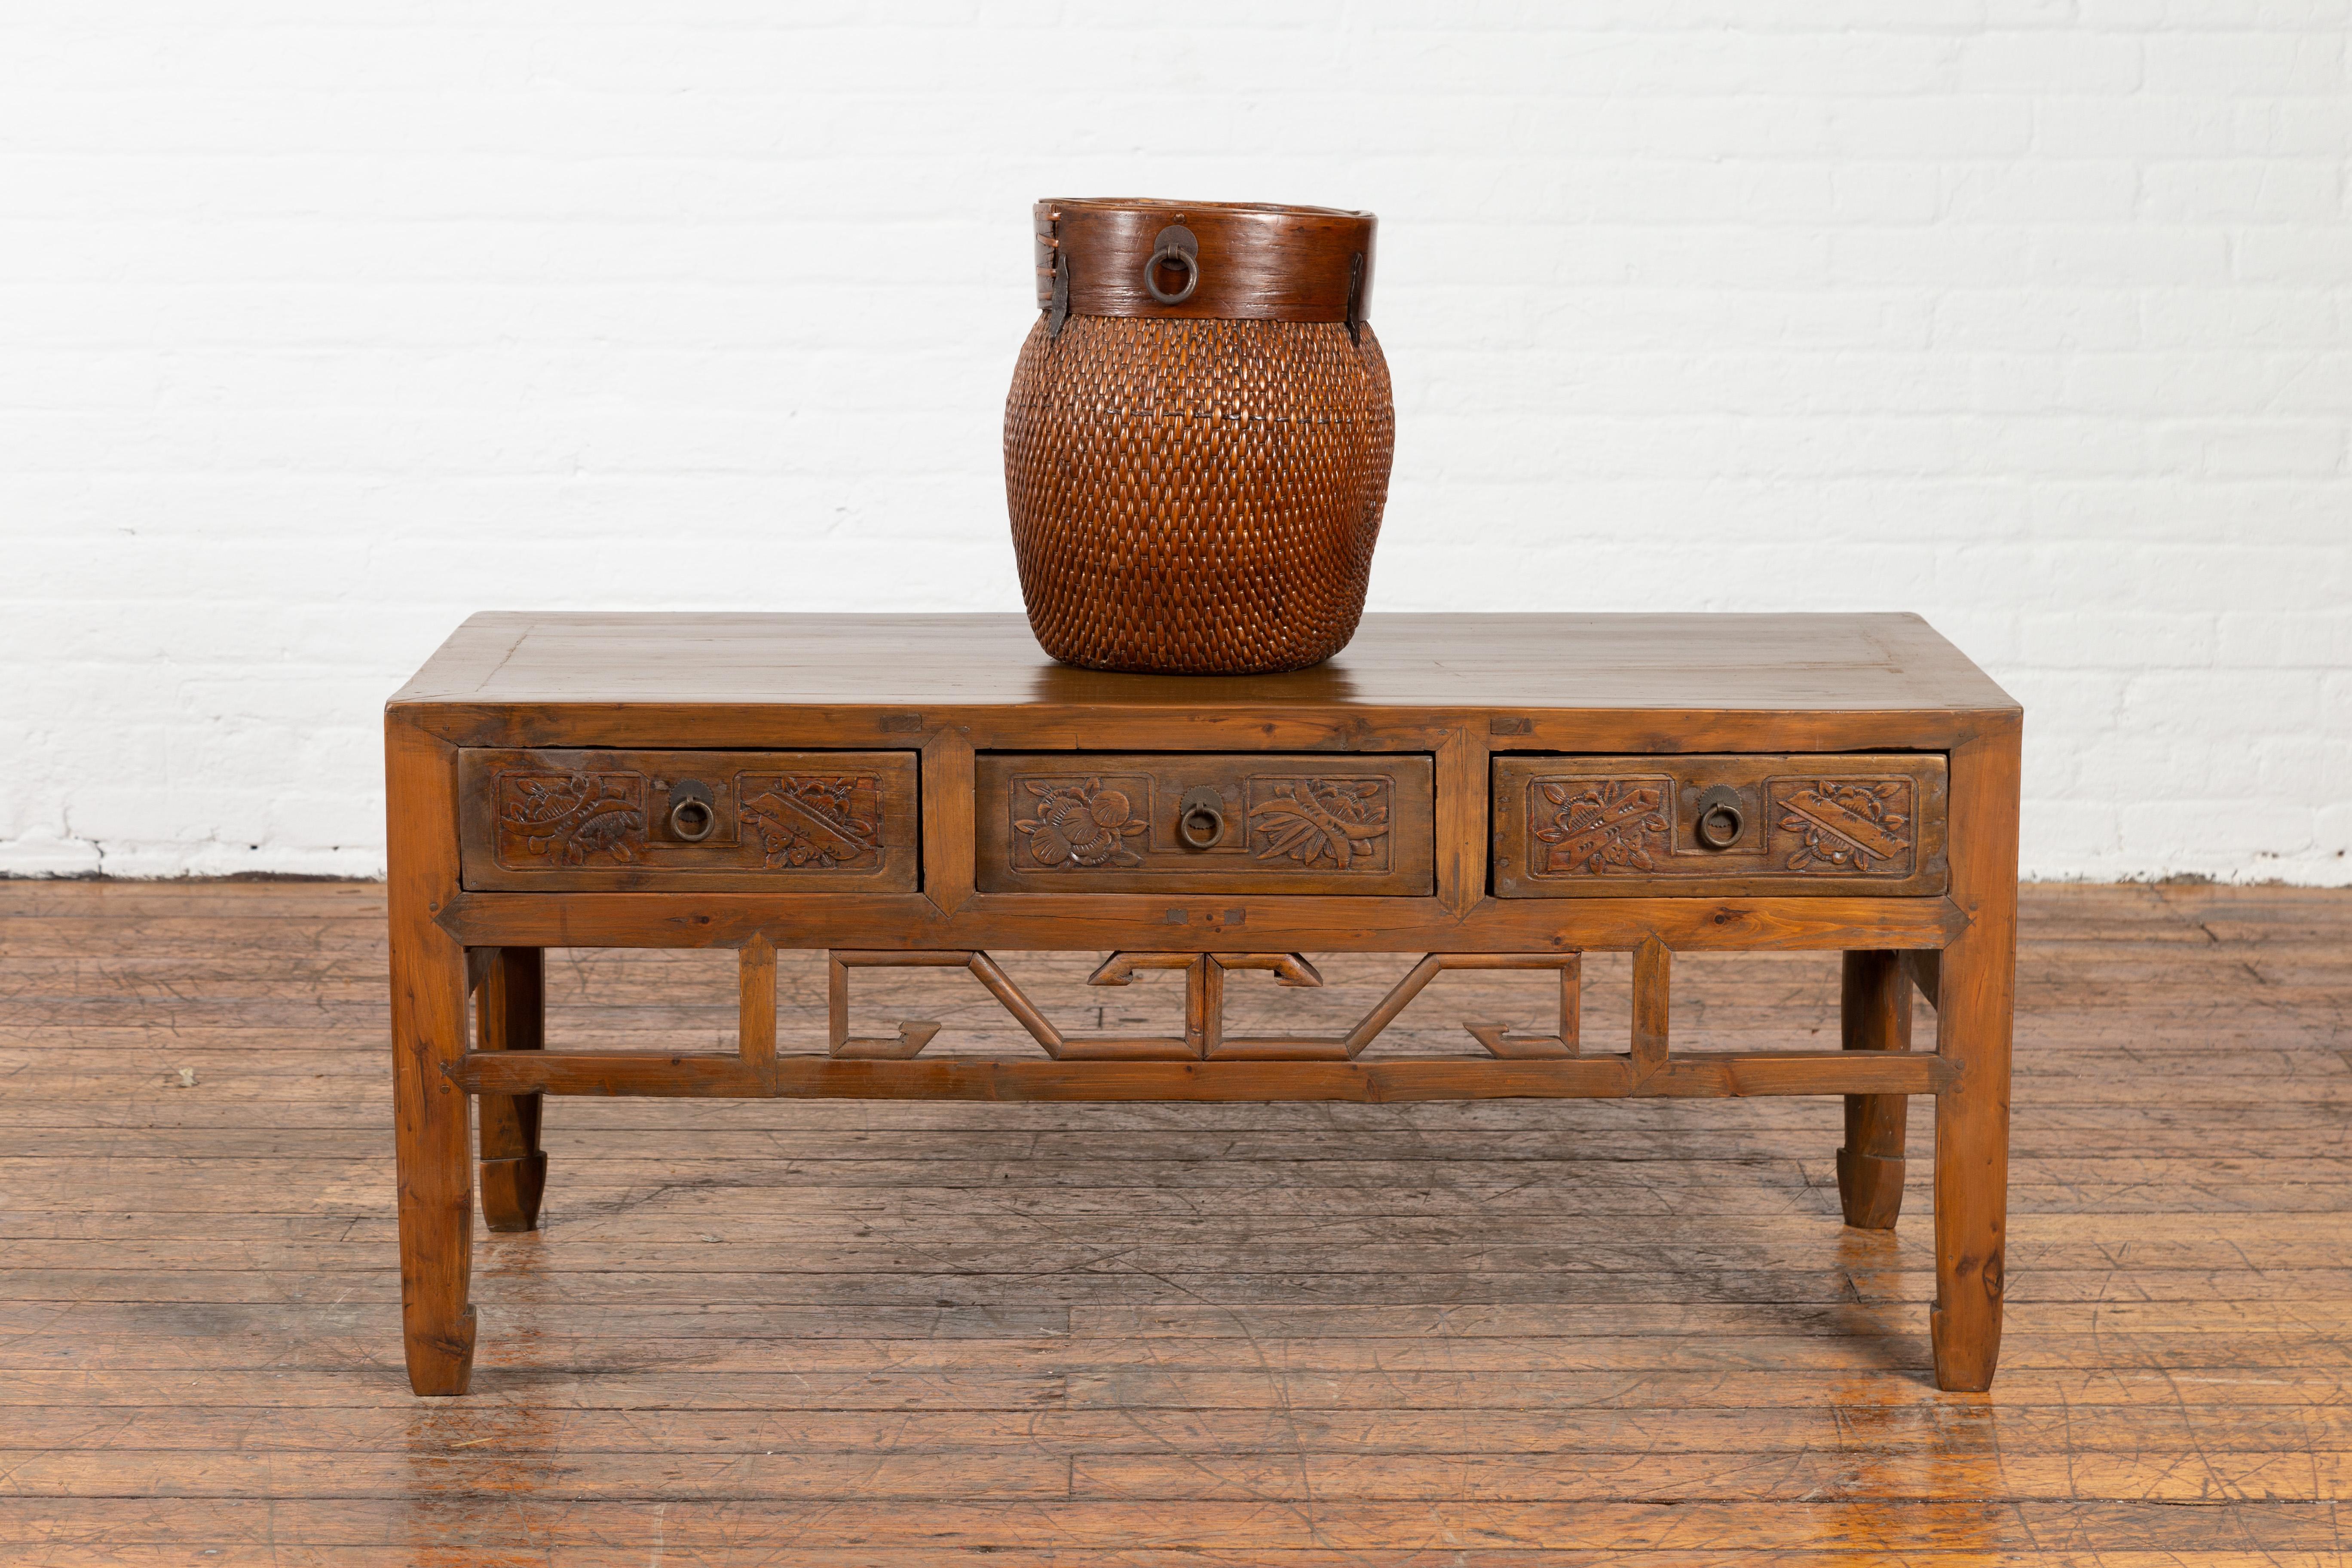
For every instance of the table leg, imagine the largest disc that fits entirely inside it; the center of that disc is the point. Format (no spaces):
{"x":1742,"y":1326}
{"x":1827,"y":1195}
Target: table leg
{"x":1875,"y":1015}
{"x":1975,"y":992}
{"x":428,"y":1035}
{"x":511,"y":1012}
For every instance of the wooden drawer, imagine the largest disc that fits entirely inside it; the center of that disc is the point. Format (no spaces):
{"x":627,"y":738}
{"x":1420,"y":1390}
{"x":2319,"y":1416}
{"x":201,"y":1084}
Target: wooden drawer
{"x":1064,"y":822}
{"x":1620,"y":826}
{"x":616,"y":821}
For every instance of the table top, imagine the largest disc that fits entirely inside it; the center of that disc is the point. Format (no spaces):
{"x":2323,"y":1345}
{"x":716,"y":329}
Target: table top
{"x":1820,"y":663}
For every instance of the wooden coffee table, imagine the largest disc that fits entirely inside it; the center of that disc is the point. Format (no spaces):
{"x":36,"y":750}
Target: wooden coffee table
{"x":1489,"y":792}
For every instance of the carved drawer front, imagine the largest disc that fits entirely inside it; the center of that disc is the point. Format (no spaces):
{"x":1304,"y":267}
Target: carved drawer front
{"x":1083,"y":822}
{"x":829,"y":822}
{"x":1620,"y":826}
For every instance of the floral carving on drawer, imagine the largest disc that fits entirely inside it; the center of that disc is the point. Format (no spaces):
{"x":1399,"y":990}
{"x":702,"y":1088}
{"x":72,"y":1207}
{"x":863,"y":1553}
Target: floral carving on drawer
{"x":597,"y":819}
{"x":1079,"y":823}
{"x":1595,"y":826}
{"x":823,"y":823}
{"x":1342,"y":823}
{"x":1569,"y":826}
{"x":572,"y":818}
{"x":1205,"y":822}
{"x":1844,"y":826}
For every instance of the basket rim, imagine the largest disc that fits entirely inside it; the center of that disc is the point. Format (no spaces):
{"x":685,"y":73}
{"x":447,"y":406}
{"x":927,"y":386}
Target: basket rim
{"x":1159,"y":204}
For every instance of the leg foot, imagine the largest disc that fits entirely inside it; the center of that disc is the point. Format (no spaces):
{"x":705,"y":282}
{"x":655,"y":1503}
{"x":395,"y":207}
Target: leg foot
{"x":1875,"y":1006}
{"x":511,"y":1190}
{"x":1972,"y":1205}
{"x":430,"y":1115}
{"x":1870,"y":1186}
{"x":436,"y":1197}
{"x":1974,"y":995}
{"x":441,"y":1357}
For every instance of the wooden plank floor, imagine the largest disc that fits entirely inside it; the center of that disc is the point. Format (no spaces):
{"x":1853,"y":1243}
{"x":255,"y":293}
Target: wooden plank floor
{"x":1533,"y":1333}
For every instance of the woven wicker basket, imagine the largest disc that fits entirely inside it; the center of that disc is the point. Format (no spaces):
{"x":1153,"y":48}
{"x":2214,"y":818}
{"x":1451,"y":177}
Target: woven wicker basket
{"x":1198,"y":438}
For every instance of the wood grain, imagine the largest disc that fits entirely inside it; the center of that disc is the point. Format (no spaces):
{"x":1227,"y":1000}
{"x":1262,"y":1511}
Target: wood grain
{"x":1283,"y":825}
{"x":510,"y":1015}
{"x":1976,"y":991}
{"x":431,"y":1113}
{"x":1197,"y":922}
{"x":1101,"y":1075}
{"x":1598,"y":1332}
{"x":755,"y":1030}
{"x":1873,"y":1015}
{"x":1609,"y":827}
{"x":550,"y":819}
{"x":948,"y":831}
{"x":1579,"y":683}
{"x":1255,"y":262}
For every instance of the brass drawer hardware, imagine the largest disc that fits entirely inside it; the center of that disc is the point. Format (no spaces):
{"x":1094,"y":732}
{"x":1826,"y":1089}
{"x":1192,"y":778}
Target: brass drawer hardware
{"x":595,"y":820}
{"x":1719,"y":820}
{"x":922,"y":796}
{"x":692,"y":813}
{"x":1216,"y":821}
{"x":1201,"y":818}
{"x":1567,"y":827}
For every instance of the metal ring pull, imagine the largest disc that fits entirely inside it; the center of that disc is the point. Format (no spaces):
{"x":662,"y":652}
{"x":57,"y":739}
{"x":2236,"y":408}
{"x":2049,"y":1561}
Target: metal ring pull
{"x":692,"y":815}
{"x":1720,"y":820}
{"x":1201,"y":819}
{"x":1175,"y":244}
{"x":1203,"y":827}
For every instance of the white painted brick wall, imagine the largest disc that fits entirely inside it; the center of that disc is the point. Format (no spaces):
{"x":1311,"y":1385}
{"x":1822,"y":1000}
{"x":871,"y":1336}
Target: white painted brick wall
{"x":324,"y":325}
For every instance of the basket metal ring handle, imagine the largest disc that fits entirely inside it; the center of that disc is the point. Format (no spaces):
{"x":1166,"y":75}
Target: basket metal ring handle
{"x":1174,"y":244}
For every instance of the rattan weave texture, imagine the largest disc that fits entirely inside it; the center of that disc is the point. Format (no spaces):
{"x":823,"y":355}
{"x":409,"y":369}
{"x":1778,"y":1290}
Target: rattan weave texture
{"x":1197,"y":497}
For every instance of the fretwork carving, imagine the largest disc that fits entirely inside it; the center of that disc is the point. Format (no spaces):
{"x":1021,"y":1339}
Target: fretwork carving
{"x":1204,"y":1037}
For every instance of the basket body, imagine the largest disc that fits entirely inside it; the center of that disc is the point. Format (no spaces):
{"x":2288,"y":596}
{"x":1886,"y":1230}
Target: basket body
{"x":1197,"y":493}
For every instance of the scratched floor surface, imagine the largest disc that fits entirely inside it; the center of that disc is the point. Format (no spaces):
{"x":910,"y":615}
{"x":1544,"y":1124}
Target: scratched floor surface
{"x":838,"y":1333}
